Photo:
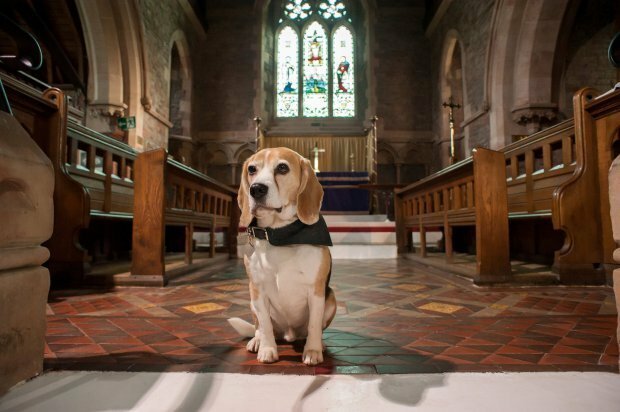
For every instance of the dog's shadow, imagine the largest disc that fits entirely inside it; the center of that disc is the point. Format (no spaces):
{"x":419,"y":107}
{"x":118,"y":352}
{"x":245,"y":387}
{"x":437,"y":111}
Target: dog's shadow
{"x":404,"y":374}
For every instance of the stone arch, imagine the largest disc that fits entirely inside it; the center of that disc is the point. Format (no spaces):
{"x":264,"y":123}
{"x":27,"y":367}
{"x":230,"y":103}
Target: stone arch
{"x":414,"y":167}
{"x":505,"y":34}
{"x":535,"y":98}
{"x":116,"y":79}
{"x":386,"y":165}
{"x":525,"y":66}
{"x":180,"y":142}
{"x":241,"y":152}
{"x":180,"y":85}
{"x":452,"y":85}
{"x":218,"y":164}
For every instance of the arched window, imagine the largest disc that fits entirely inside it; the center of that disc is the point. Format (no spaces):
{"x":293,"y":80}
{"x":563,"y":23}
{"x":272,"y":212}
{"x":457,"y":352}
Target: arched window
{"x":315,"y":60}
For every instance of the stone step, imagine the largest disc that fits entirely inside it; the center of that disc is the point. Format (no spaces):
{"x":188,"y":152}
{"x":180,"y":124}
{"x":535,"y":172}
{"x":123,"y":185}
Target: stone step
{"x":363,"y":251}
{"x":355,"y":218}
{"x":347,"y":238}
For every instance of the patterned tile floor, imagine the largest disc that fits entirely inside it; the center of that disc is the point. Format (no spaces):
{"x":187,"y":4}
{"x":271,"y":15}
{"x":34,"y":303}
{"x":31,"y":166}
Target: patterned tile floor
{"x":393,"y":317}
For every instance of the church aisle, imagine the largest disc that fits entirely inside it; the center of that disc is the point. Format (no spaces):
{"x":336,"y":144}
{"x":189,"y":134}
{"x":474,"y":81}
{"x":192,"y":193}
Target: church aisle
{"x":393,"y":317}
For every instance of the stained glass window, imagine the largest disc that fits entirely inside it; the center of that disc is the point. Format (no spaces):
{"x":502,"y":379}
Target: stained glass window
{"x":332,"y":9}
{"x":315,"y":99}
{"x":288,"y":73}
{"x":325,"y":55}
{"x":343,"y":73}
{"x":297,"y":9}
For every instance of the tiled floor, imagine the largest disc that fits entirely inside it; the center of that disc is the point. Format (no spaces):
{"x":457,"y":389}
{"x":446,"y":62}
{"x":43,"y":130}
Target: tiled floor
{"x":393,"y":317}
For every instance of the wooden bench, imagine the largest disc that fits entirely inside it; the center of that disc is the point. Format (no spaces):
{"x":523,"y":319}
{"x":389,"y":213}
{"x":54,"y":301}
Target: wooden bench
{"x":553,"y":175}
{"x":169,"y":193}
{"x":554,"y":196}
{"x":604,"y":114}
{"x":469,"y":193}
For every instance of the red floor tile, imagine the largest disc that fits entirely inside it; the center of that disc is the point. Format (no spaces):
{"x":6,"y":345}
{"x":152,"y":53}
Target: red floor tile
{"x":379,"y":327}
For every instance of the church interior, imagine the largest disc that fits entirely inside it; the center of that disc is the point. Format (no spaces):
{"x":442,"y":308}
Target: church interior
{"x":469,"y":156}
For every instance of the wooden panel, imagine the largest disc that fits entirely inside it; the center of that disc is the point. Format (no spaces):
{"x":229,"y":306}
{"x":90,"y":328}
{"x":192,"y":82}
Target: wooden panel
{"x":492,"y":250}
{"x":182,"y":197}
{"x":148,"y":223}
{"x":576,"y":201}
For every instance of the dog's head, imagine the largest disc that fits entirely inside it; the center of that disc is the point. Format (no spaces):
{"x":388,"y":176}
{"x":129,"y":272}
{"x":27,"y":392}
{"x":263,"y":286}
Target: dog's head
{"x":279,"y":185}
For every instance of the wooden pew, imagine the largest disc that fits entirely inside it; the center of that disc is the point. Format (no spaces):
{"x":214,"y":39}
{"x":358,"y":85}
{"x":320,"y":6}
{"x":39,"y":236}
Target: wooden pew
{"x":469,"y":193}
{"x":169,"y":193}
{"x":604,"y":113}
{"x":93,"y":178}
{"x":553,"y":175}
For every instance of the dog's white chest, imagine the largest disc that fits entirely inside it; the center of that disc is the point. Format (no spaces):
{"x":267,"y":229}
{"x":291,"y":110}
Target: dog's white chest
{"x":287,"y":276}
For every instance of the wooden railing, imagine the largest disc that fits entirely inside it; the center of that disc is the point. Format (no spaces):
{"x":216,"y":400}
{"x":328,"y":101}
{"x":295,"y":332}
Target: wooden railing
{"x":169,"y":193}
{"x":469,"y":193}
{"x":104,"y":167}
{"x":537,"y":165}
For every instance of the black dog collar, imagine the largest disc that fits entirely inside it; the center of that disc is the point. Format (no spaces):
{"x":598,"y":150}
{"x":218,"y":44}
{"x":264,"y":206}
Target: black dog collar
{"x":297,"y":233}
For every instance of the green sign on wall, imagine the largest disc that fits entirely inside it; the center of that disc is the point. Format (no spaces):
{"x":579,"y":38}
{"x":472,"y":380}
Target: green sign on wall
{"x":126,"y":123}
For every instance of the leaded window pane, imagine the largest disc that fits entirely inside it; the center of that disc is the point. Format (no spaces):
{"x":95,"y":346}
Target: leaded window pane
{"x":297,"y":9}
{"x":315,"y":98}
{"x":288,"y":73}
{"x":343,"y":73}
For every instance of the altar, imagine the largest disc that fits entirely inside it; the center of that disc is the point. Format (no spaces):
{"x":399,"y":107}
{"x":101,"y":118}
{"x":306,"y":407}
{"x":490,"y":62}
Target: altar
{"x":342,"y":164}
{"x":342,"y":194}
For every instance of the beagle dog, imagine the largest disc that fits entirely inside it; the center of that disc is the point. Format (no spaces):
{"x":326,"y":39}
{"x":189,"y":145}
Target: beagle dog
{"x":280,"y":199}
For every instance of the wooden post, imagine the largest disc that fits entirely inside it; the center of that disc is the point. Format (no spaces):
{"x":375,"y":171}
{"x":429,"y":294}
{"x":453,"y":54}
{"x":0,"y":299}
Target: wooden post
{"x":189,"y":243}
{"x":401,"y":227}
{"x":148,"y":218}
{"x":107,"y":169}
{"x":233,"y":229}
{"x":614,"y":208}
{"x":492,"y":248}
{"x":422,"y":240}
{"x":212,"y":244}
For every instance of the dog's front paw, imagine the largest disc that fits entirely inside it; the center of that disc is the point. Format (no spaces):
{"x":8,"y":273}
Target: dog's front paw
{"x":312,"y":357}
{"x":267,"y":354}
{"x":253,"y":345}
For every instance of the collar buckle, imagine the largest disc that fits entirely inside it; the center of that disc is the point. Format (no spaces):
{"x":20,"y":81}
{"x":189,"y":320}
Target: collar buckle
{"x":258,"y":233}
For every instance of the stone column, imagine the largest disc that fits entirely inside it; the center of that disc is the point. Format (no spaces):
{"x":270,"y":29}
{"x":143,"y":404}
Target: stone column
{"x":614,"y":209}
{"x":27,"y":211}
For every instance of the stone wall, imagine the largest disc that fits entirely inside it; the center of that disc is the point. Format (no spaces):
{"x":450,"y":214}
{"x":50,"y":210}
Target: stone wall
{"x":161,"y":19}
{"x":226,"y":78}
{"x":471,"y":20}
{"x":586,"y":63}
{"x":402,"y":67}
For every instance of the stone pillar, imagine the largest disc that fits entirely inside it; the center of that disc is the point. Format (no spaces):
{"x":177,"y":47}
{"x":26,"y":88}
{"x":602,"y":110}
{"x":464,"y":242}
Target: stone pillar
{"x":27,"y":211}
{"x":614,"y":209}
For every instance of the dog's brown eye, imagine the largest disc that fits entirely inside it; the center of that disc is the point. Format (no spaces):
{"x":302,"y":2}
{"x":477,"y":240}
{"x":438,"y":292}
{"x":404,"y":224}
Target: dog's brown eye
{"x":251,"y":170}
{"x":282,"y":168}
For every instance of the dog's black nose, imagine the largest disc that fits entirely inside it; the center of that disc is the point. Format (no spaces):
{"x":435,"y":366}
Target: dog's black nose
{"x":258,"y":190}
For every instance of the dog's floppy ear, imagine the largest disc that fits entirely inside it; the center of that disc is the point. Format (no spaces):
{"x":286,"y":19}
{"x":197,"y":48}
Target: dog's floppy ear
{"x":310,"y":195}
{"x":242,"y":197}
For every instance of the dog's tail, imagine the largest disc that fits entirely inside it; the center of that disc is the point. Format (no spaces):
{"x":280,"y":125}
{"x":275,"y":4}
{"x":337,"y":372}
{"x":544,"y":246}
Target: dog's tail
{"x":242,"y":327}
